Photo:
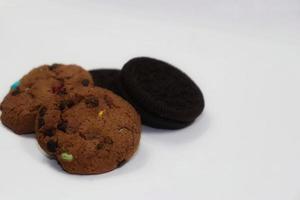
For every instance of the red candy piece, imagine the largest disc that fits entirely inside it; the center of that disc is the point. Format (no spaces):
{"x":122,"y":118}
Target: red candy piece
{"x":60,"y":90}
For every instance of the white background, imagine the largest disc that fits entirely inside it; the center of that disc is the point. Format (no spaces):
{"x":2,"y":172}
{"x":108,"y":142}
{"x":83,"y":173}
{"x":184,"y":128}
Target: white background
{"x":245,"y":56}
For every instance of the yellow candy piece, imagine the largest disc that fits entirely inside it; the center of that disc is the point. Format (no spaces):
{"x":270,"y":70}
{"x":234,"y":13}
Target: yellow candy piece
{"x":101,"y":113}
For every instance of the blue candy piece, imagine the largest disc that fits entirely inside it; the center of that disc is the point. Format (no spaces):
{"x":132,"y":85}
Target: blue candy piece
{"x":15,"y":85}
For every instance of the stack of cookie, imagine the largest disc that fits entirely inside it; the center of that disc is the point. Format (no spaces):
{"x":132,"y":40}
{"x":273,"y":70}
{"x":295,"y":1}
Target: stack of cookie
{"x":165,"y":97}
{"x":89,"y":129}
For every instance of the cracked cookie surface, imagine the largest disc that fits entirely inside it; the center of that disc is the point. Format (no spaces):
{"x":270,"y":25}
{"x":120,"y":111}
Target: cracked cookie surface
{"x":42,"y":85}
{"x":90,"y":131}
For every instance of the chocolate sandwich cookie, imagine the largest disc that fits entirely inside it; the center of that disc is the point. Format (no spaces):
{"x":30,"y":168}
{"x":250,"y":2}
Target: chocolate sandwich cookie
{"x":106,"y":78}
{"x":42,"y":85}
{"x":164,"y":96}
{"x":92,"y":131}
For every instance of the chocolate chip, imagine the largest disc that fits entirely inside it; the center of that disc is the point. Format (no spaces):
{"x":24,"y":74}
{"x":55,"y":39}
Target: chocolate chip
{"x":42,"y":111}
{"x":49,"y":132}
{"x":62,"y":105}
{"x":70,"y":103}
{"x":91,"y":102}
{"x":62,"y":126}
{"x":16,"y":91}
{"x":121,"y":163}
{"x":108,"y":140}
{"x":65,"y":104}
{"x":54,"y":90}
{"x":54,"y":66}
{"x":51,"y":146}
{"x":85,"y":82}
{"x":62,"y":92}
{"x":100,"y":146}
{"x":41,"y":122}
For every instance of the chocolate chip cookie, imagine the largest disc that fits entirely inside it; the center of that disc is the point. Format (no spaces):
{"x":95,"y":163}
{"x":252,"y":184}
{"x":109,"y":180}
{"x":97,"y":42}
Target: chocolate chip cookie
{"x":90,"y":131}
{"x":43,"y":85}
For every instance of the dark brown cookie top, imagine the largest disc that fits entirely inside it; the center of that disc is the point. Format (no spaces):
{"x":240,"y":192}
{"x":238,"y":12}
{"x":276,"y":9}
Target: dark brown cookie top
{"x":43,"y":85}
{"x":91,"y":131}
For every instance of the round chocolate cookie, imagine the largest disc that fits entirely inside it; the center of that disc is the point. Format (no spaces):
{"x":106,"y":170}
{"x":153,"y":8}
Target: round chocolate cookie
{"x":42,"y":85}
{"x":165,"y":96}
{"x":106,"y":78}
{"x":91,"y":131}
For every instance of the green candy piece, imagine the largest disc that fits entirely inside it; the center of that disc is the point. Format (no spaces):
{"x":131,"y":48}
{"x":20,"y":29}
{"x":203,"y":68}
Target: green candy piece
{"x":67,"y":157}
